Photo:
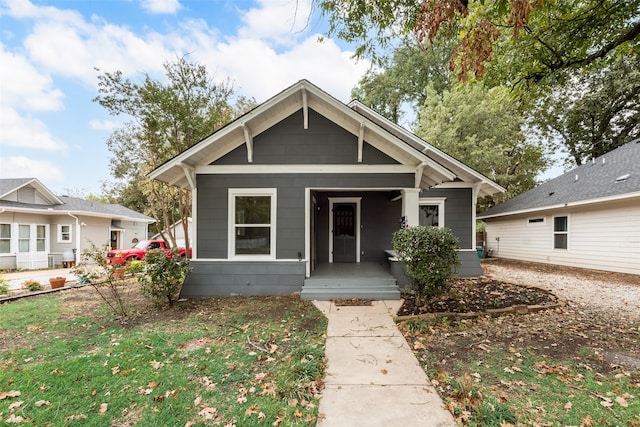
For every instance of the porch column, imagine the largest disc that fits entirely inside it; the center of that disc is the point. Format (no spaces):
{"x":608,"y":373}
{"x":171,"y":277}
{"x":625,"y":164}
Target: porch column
{"x":410,"y":210}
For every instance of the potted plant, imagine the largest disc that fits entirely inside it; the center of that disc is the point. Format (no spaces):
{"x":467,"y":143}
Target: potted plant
{"x":118,"y":272}
{"x":57,"y":282}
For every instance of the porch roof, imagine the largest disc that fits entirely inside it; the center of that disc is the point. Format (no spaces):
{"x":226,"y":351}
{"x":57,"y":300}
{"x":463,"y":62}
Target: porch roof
{"x":431,"y":166}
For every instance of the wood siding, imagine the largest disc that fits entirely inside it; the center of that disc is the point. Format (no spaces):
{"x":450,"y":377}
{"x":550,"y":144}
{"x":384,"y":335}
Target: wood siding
{"x":288,"y":142}
{"x":603,"y":237}
{"x":458,"y":208}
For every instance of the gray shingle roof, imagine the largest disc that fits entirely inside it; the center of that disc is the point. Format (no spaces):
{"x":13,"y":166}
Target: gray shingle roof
{"x":69,"y":204}
{"x":594,"y":180}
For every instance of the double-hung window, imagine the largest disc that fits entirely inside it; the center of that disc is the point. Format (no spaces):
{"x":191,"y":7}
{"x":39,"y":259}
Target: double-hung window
{"x":64,"y":233}
{"x":252,"y":223}
{"x":5,"y":238}
{"x":560,"y":232}
{"x":431,"y":212}
{"x":41,"y":238}
{"x":24,"y":238}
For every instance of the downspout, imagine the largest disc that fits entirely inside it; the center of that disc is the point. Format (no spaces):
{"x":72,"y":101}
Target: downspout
{"x":78,"y":240}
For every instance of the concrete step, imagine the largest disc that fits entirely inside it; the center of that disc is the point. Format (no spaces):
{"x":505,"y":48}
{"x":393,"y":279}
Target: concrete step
{"x":333,"y":294}
{"x":336,"y":288}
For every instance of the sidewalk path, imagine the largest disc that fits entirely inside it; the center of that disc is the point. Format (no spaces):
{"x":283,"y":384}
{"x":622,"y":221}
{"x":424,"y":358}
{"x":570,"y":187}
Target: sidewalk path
{"x":372,"y":377}
{"x":17,"y":279}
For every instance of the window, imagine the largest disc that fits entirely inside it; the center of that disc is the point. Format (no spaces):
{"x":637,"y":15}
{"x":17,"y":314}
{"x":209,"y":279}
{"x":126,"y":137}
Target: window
{"x":252,"y":218}
{"x":560,"y":232}
{"x":24,"y":237}
{"x":64,"y":233}
{"x":41,"y":237}
{"x":5,"y":238}
{"x":431,"y":212}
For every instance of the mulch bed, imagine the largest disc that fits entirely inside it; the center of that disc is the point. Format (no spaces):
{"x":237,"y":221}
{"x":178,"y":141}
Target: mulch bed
{"x":477,"y":295}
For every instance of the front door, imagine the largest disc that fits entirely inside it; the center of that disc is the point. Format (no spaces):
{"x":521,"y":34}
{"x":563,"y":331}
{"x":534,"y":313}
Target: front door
{"x":344,"y":232}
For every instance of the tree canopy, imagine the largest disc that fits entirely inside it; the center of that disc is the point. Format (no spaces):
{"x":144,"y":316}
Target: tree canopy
{"x":165,"y":119}
{"x":483,"y":129}
{"x":570,"y":64}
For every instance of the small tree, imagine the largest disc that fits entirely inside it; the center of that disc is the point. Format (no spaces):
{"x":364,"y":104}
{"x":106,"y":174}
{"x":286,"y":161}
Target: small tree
{"x":163,"y":275}
{"x":429,"y":254}
{"x":96,"y":270}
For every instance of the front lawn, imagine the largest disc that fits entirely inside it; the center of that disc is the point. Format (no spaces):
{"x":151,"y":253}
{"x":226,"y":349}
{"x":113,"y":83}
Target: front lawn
{"x":561,"y":367}
{"x":66,"y":360}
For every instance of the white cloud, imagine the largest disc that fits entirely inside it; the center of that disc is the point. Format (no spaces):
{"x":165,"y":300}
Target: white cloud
{"x":109,"y":125}
{"x":26,"y":132}
{"x":161,"y":6}
{"x":279,"y":21}
{"x":23,"y":167}
{"x":25,"y":87}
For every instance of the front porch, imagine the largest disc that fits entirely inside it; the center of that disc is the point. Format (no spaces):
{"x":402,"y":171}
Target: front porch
{"x":367,"y":280}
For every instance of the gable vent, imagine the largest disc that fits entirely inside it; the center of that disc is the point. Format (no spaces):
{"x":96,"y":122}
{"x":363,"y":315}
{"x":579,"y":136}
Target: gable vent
{"x":623,"y":178}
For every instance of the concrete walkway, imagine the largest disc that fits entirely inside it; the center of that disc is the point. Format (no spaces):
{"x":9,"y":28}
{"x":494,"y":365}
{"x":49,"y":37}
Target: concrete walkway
{"x":372,"y":377}
{"x":16,"y":280}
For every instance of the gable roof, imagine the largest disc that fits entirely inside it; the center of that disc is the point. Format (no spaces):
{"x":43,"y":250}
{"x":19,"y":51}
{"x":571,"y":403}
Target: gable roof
{"x":61,"y":205}
{"x":9,"y":186}
{"x":612,"y":176}
{"x":399,"y":144}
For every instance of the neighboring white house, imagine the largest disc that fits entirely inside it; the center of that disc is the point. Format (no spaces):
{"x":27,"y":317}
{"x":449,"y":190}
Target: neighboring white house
{"x":588,"y":217}
{"x":178,"y":232}
{"x":39,"y":229}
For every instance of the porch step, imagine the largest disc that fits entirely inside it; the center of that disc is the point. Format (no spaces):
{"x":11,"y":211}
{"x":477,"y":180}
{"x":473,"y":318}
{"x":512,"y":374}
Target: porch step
{"x":335,"y":288}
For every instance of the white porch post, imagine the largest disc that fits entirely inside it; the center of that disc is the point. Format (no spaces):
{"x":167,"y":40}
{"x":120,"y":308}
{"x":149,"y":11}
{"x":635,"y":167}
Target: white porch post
{"x":410,"y":210}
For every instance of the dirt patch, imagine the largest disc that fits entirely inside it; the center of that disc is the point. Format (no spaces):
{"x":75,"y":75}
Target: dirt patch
{"x":477,"y":295}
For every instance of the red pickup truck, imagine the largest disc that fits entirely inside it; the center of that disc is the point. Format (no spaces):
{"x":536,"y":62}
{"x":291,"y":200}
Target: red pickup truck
{"x":122,"y":256}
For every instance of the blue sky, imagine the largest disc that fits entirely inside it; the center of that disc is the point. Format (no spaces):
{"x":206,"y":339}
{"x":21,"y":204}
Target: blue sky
{"x":50,"y":128}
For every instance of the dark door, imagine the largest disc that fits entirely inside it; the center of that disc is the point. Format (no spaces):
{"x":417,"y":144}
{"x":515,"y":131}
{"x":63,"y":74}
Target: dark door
{"x":344,"y":232}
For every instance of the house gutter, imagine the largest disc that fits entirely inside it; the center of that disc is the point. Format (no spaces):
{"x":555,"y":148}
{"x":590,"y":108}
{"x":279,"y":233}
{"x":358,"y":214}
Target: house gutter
{"x":78,"y":240}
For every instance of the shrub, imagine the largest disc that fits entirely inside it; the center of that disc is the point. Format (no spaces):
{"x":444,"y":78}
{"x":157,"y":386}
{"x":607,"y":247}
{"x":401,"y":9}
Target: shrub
{"x":135,"y":266}
{"x":163,"y":275}
{"x":4,"y":285}
{"x":32,"y":285}
{"x":96,"y":270}
{"x":429,"y":254}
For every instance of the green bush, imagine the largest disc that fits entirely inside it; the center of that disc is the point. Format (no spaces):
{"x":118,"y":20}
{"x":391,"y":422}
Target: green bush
{"x":429,"y":254}
{"x":32,"y":285}
{"x":4,"y":285}
{"x":163,"y":276}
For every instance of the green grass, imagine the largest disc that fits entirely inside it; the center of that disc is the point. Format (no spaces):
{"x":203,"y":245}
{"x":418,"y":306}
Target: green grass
{"x":254,"y":361}
{"x":498,"y":384}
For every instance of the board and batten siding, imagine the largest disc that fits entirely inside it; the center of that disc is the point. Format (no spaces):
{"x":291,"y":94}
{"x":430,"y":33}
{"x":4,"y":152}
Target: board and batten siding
{"x":601,"y":237}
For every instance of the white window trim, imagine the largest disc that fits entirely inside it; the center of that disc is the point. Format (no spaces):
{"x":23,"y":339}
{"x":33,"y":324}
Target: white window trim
{"x":437,"y":201}
{"x":10,"y":239}
{"x":45,"y":238}
{"x":231,"y":226}
{"x":554,"y":232}
{"x":59,"y":233}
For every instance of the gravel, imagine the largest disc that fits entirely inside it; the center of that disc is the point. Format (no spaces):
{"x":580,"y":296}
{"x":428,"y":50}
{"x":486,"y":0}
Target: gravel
{"x":583,"y":289}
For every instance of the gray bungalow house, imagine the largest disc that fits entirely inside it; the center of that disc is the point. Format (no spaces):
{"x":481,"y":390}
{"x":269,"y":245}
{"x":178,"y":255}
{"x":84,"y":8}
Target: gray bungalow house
{"x":39,"y":229}
{"x":303,"y":193}
{"x":588,"y":217}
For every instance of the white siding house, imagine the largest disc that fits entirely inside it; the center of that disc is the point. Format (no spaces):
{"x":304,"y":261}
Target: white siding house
{"x":39,"y":229}
{"x":588,"y":217}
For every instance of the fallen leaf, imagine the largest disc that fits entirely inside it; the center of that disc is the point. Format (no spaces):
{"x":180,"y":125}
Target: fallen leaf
{"x":607,"y":403}
{"x":208,"y":413}
{"x":197,"y":401}
{"x":156,"y":365}
{"x":383,"y":371}
{"x":115,"y":370}
{"x":103,"y":408}
{"x":568,"y":405}
{"x":153,"y":384}
{"x":40,"y":403}
{"x":621,"y":401}
{"x":15,"y":405}
{"x":14,"y":419}
{"x":418,"y":346}
{"x":12,"y":393}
